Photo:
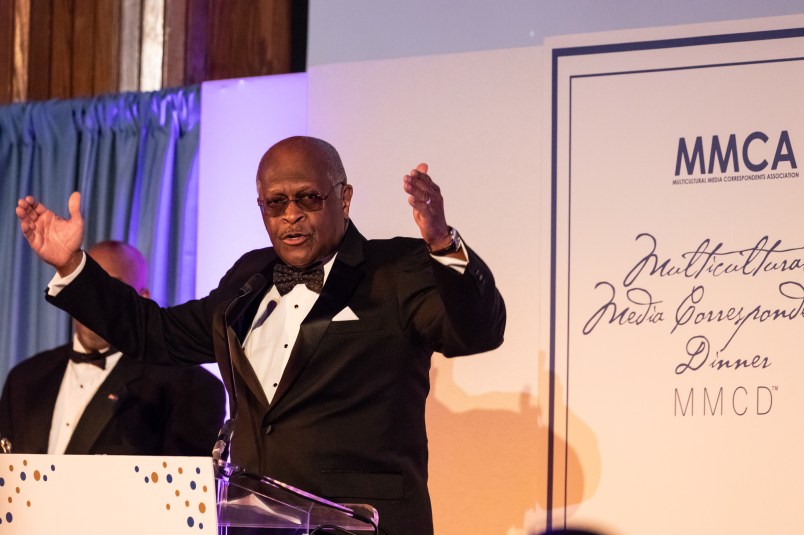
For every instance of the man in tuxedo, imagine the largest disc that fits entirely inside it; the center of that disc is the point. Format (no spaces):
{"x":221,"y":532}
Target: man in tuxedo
{"x":327,"y":378}
{"x":88,"y":398}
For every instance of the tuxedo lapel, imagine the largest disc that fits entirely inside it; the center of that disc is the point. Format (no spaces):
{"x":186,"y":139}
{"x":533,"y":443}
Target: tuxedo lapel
{"x":243,"y":366}
{"x":41,"y":411}
{"x":110,"y":395}
{"x":237,"y":324}
{"x":339,"y":287}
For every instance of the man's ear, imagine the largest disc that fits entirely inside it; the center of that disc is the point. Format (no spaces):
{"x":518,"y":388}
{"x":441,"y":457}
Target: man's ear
{"x":346,"y":199}
{"x":145,"y":292}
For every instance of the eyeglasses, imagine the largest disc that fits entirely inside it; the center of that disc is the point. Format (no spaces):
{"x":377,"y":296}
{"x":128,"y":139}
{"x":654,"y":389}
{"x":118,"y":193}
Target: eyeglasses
{"x":309,"y":202}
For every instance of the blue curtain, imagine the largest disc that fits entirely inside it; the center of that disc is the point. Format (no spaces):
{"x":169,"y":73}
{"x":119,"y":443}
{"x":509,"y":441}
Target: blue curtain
{"x":134,"y":158}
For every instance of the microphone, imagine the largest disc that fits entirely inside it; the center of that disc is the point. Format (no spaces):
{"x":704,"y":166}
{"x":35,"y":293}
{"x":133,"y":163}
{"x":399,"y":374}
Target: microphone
{"x":255,"y":283}
{"x":264,"y":316}
{"x":220,"y":451}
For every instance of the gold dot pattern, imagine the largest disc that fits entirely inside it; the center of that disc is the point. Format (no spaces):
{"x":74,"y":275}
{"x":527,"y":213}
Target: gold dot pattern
{"x":14,"y":500}
{"x":15,"y":484}
{"x":183,"y":492}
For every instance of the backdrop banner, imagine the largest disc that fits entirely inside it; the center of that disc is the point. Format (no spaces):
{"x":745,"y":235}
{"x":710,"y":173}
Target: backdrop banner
{"x":678,"y":279}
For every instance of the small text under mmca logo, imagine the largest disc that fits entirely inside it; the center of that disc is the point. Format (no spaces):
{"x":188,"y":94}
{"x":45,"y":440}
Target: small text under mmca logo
{"x":720,"y":401}
{"x":732,"y":158}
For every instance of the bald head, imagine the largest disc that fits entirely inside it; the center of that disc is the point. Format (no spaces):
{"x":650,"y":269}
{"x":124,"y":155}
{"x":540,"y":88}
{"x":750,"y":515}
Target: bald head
{"x":122,"y":261}
{"x":316,"y":150}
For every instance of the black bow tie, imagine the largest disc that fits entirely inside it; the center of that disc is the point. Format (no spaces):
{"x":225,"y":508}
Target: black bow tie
{"x":286,"y":277}
{"x":96,"y":358}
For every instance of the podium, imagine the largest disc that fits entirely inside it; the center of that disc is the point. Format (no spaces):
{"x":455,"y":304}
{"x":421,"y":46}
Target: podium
{"x":254,"y":501}
{"x":156,"y":495}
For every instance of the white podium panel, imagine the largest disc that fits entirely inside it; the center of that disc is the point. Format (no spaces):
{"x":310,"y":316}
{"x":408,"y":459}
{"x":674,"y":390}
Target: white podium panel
{"x":102,"y":494}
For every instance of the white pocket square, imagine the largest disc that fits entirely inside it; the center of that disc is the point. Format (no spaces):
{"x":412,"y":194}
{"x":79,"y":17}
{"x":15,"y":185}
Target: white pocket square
{"x":345,"y":315}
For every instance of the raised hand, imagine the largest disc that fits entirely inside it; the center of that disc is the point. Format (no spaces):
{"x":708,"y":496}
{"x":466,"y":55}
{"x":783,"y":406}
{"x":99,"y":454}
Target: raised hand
{"x":424,"y":196}
{"x":57,"y":241}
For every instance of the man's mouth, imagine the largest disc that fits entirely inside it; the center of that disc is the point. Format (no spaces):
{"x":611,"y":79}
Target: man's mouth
{"x":294,"y":238}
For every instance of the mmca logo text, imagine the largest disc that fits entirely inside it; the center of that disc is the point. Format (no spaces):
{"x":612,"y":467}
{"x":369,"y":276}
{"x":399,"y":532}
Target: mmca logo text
{"x":755,"y":153}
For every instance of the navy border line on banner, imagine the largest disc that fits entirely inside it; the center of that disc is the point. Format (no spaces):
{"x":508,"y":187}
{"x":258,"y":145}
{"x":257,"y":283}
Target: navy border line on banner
{"x":557,"y":54}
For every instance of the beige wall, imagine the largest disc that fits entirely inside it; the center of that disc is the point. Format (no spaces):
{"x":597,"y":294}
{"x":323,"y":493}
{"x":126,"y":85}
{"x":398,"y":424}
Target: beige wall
{"x":475,"y":119}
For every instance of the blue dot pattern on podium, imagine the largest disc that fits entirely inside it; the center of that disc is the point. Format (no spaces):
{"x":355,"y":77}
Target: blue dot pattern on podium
{"x":14,"y":498}
{"x":195,"y":501}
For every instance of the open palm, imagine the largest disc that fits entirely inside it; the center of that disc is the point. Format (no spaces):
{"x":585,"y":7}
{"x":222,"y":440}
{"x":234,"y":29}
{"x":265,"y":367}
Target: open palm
{"x":56,"y":240}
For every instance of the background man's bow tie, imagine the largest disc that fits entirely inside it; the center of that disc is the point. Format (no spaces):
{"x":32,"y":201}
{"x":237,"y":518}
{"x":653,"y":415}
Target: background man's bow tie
{"x":95,"y":358}
{"x":286,"y":277}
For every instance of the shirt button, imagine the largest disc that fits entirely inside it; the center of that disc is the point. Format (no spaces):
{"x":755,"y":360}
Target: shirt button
{"x":268,"y":429}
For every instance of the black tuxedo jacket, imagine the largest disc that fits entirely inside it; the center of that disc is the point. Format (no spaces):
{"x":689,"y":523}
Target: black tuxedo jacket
{"x":139,"y":409}
{"x":347,"y":419}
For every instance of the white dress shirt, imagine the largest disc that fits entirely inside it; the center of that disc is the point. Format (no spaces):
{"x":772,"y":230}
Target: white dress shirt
{"x":78,"y":386}
{"x":270,"y":340}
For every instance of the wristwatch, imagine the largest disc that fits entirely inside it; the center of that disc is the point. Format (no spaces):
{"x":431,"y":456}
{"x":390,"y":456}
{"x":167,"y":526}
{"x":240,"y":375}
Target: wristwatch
{"x":454,"y":244}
